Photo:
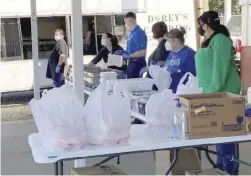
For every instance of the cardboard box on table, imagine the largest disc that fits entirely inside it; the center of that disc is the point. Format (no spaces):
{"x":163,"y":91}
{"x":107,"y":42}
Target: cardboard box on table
{"x":205,"y":172}
{"x":214,"y":115}
{"x":97,"y":170}
{"x":207,"y":115}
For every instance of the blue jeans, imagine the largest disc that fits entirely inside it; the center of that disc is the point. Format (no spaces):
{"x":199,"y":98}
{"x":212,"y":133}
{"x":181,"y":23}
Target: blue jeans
{"x":59,"y":80}
{"x":225,"y":164}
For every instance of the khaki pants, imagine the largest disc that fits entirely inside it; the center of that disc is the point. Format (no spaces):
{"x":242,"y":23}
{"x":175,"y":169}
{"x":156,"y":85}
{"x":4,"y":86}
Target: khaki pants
{"x":188,"y":159}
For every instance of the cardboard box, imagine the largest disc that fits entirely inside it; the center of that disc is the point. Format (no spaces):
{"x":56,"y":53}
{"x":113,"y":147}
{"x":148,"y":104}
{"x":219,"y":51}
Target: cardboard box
{"x":214,"y":115}
{"x":206,"y":172}
{"x":97,"y":170}
{"x":188,"y":159}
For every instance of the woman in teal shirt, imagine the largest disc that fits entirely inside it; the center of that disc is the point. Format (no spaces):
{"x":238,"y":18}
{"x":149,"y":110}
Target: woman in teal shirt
{"x":216,"y":72}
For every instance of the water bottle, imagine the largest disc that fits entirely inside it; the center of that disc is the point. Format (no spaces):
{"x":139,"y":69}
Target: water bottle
{"x":179,"y":122}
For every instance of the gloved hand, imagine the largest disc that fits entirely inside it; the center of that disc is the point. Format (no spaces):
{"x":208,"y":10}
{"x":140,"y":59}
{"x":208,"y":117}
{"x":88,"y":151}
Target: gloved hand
{"x":85,"y":67}
{"x":58,"y":68}
{"x":153,"y":62}
{"x":142,"y":71}
{"x":123,"y":53}
{"x":173,"y":70}
{"x":86,"y":47}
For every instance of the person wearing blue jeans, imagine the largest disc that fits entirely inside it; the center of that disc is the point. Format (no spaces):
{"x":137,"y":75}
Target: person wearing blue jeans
{"x":136,"y":46}
{"x":57,"y":60}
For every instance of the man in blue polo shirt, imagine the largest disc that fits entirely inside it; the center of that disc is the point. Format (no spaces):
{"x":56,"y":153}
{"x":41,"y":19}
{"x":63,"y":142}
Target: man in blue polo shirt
{"x":136,"y":46}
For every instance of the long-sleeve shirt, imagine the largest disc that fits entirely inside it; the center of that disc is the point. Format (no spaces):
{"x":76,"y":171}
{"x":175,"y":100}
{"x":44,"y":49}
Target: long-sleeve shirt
{"x":103,"y":54}
{"x":179,"y":63}
{"x":216,"y":68}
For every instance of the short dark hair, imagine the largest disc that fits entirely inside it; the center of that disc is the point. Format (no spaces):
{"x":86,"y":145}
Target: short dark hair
{"x":114,"y":39}
{"x":130,"y":15}
{"x":159,"y":29}
{"x":60,"y":31}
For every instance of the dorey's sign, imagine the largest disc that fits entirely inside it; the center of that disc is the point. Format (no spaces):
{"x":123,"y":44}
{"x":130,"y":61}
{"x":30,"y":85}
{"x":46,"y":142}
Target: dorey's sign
{"x":175,"y":13}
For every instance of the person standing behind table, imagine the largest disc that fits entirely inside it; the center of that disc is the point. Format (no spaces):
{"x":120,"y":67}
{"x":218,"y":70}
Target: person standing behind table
{"x":110,"y":46}
{"x":136,"y":46}
{"x":181,"y":58}
{"x":57,"y":59}
{"x":216,"y":72}
{"x":160,"y":54}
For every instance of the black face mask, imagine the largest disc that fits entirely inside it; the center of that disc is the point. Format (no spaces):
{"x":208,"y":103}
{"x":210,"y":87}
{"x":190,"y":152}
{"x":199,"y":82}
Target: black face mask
{"x":201,"y":31}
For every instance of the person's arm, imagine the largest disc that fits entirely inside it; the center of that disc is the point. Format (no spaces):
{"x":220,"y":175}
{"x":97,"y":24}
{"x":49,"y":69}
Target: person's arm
{"x":98,"y":57}
{"x":222,"y":54}
{"x":189,"y":63}
{"x":141,"y":41}
{"x":62,"y":49}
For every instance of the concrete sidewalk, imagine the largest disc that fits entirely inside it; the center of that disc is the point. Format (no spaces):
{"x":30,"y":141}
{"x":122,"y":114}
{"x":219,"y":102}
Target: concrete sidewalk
{"x":17,"y":158}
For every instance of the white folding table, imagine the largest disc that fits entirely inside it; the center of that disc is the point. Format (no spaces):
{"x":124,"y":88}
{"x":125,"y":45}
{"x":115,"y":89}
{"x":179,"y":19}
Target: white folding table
{"x":142,"y":139}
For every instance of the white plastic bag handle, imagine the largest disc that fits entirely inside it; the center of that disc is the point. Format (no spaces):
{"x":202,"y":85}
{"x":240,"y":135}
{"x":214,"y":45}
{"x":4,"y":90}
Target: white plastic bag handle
{"x":184,"y":77}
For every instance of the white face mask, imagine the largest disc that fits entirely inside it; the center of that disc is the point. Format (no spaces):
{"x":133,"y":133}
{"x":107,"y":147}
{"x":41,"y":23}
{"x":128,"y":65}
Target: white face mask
{"x":128,"y":26}
{"x":57,"y":37}
{"x":168,"y":46}
{"x":103,"y":42}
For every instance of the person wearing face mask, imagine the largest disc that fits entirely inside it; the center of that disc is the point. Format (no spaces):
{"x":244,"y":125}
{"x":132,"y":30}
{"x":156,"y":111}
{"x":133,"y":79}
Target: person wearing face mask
{"x":111,"y":46}
{"x":57,"y":59}
{"x":160,"y":54}
{"x":216,"y":72}
{"x":136,"y":46}
{"x":181,"y":58}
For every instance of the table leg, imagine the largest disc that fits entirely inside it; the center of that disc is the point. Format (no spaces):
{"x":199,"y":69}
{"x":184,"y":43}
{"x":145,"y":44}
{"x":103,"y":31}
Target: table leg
{"x":175,"y":158}
{"x":209,"y":158}
{"x":56,"y":168}
{"x":61,"y":167}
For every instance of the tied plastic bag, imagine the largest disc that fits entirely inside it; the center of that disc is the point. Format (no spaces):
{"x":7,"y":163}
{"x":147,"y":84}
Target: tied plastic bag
{"x":191,"y":86}
{"x":59,"y":117}
{"x":161,"y":77}
{"x":108,"y":114}
{"x":160,"y":108}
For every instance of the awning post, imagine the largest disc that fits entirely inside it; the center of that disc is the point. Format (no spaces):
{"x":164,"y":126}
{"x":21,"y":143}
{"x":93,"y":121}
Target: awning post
{"x":77,"y":54}
{"x":35,"y":56}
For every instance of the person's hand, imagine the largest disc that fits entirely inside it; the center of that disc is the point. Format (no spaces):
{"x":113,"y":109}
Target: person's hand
{"x":86,"y":47}
{"x":122,"y":53}
{"x":58,"y":68}
{"x":142,"y":71}
{"x":85,"y":67}
{"x":119,"y":52}
{"x":173,"y":70}
{"x":153,"y":62}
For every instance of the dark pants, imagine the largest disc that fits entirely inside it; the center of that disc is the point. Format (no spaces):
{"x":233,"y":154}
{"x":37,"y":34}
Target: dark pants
{"x":59,"y":80}
{"x":223,"y":163}
{"x":134,"y":68}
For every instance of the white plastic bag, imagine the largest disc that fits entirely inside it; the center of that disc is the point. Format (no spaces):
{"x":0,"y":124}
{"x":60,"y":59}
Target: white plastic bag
{"x":191,"y":87}
{"x":59,"y":116}
{"x":108,"y":118}
{"x":160,"y":108}
{"x":161,"y":77}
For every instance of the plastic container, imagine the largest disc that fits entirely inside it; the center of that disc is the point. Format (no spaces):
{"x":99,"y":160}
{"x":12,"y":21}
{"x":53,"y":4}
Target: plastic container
{"x":179,"y":122}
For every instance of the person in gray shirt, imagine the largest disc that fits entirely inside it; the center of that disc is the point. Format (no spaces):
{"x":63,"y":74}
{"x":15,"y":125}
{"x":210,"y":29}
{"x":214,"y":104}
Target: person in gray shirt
{"x":57,"y":59}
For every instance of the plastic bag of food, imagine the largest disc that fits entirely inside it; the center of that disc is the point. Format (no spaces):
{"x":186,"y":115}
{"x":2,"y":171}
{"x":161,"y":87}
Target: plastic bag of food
{"x":108,"y":114}
{"x":190,"y":87}
{"x":59,"y":116}
{"x":160,"y":108}
{"x":161,"y":77}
